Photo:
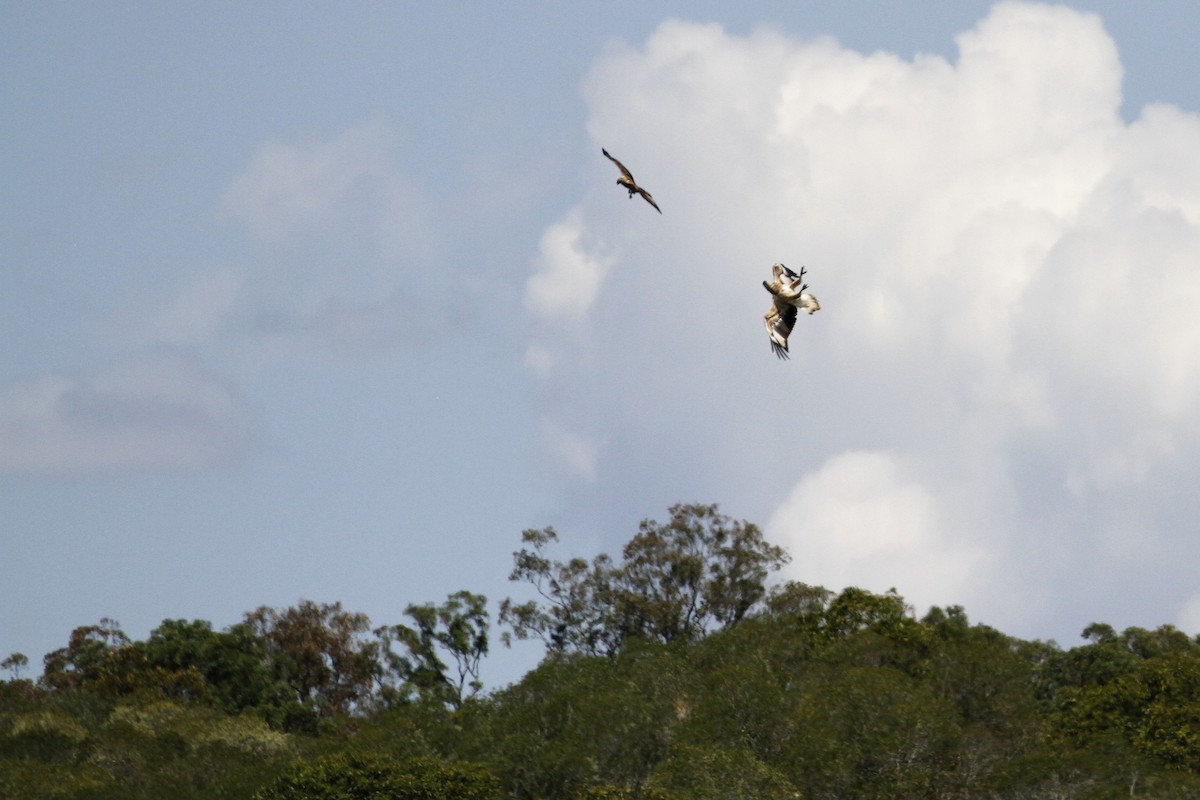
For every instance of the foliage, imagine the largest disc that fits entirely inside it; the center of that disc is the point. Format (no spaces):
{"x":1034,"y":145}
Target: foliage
{"x":722,"y":774}
{"x":458,"y":628}
{"x":676,"y":582}
{"x":336,"y":777}
{"x":609,"y":792}
{"x":233,"y":664}
{"x":87,"y":657}
{"x":675,"y":672}
{"x":577,"y":721}
{"x":359,"y":776}
{"x":699,"y":571}
{"x":575,"y":614}
{"x":321,"y":652}
{"x":16,"y":664}
{"x":1154,"y":708}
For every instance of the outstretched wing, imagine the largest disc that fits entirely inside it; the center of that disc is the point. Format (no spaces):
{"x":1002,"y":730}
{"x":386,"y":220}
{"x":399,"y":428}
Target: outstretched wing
{"x":649,"y":199}
{"x":779,"y":320}
{"x":620,"y":166}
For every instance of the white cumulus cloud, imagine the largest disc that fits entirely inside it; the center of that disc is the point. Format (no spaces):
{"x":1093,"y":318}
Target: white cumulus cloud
{"x":865,"y":519}
{"x":568,"y":275}
{"x":1000,"y":399}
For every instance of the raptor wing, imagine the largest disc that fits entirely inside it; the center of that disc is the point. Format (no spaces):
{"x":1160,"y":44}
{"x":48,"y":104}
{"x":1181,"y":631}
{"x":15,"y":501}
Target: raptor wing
{"x":648,"y":199}
{"x":620,"y":166}
{"x":779,"y":320}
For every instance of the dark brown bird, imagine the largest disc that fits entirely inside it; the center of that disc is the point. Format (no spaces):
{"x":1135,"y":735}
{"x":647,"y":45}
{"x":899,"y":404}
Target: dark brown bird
{"x":788,"y":296}
{"x":629,"y":183}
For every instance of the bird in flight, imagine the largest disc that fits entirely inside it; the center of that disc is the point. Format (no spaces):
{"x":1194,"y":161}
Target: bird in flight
{"x":629,"y":183}
{"x":788,"y":297}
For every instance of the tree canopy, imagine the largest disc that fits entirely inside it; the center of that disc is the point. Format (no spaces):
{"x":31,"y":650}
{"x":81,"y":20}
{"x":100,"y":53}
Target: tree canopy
{"x":676,"y":581}
{"x":676,"y":670}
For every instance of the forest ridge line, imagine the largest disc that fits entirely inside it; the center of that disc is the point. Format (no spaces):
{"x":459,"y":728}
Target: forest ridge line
{"x":674,"y":670}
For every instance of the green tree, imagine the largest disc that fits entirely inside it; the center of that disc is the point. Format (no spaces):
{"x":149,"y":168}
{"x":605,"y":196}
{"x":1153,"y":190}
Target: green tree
{"x":368,"y":776}
{"x":321,"y":652}
{"x":15,"y":663}
{"x":741,"y":688}
{"x":677,"y":581}
{"x":575,"y":613}
{"x":1154,"y":708}
{"x":859,"y":627}
{"x":798,"y":601}
{"x":699,"y":571}
{"x":234,"y":664}
{"x":578,"y":721}
{"x":987,"y":675}
{"x":989,"y":678}
{"x":722,"y":773}
{"x":102,"y":660}
{"x":457,"y":629}
{"x":87,"y":649}
{"x":606,"y":791}
{"x":868,"y":732}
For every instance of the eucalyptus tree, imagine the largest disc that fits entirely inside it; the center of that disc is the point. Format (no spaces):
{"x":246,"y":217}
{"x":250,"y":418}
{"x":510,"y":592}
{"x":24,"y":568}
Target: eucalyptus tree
{"x":457,"y":630}
{"x":322,"y":652}
{"x":676,"y":581}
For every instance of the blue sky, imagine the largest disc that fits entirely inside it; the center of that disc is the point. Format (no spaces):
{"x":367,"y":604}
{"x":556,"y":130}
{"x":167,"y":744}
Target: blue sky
{"x":332,"y":302}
